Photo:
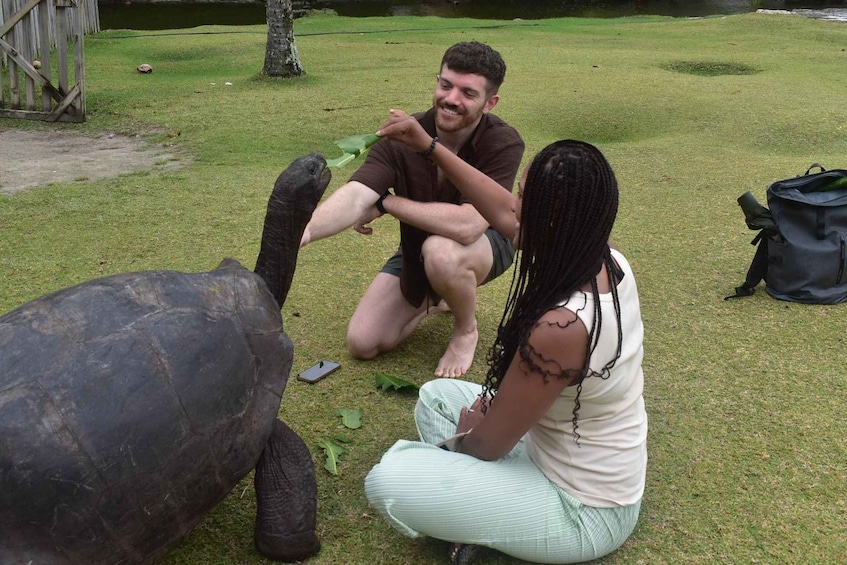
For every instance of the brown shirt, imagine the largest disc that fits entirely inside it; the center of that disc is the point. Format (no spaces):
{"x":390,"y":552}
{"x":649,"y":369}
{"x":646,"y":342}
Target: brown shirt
{"x":495,"y":148}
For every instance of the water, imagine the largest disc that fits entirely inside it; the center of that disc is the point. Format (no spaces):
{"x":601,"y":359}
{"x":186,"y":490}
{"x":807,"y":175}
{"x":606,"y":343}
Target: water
{"x":125,"y":14}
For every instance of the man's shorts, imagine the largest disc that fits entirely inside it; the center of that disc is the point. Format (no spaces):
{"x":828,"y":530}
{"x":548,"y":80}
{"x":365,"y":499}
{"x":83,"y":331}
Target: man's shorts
{"x":502,"y":249}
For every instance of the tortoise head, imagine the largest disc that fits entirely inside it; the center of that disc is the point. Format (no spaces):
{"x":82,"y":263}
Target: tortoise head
{"x":296,"y":194}
{"x":302,"y":184}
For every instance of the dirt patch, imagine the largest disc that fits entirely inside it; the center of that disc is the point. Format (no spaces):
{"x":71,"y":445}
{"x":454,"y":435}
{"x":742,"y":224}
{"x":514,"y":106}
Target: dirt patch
{"x":30,"y":158}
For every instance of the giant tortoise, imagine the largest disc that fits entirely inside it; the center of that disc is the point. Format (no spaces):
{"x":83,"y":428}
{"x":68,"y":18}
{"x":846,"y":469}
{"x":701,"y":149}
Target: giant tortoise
{"x":131,"y":405}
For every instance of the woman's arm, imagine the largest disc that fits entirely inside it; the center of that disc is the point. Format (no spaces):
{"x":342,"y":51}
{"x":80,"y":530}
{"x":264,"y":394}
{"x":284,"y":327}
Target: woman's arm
{"x":557,"y":344}
{"x":496,"y":205}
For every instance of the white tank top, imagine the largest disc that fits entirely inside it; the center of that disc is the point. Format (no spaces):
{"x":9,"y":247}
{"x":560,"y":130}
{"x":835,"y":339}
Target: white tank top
{"x":608,"y":466}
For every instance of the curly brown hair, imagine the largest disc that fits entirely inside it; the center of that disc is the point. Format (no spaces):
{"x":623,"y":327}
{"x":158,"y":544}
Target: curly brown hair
{"x":472,"y":57}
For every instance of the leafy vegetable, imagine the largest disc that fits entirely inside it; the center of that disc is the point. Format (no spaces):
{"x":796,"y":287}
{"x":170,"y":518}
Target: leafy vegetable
{"x":357,"y":144}
{"x":333,"y":452}
{"x":352,"y":146}
{"x":350,"y":418}
{"x":340,"y":161}
{"x":839,"y":183}
{"x":385,"y":382}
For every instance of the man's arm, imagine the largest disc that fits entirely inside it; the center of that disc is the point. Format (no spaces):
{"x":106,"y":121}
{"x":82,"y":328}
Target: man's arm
{"x":461,"y":223}
{"x":496,"y":205}
{"x":340,"y":211}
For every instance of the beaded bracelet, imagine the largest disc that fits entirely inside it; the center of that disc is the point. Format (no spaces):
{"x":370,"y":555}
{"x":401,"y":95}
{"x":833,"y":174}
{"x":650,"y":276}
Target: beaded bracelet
{"x":429,"y":151}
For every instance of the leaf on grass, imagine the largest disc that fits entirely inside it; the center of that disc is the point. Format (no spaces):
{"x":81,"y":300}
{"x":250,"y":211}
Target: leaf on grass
{"x":333,"y":452}
{"x":350,"y":418}
{"x":385,"y":382}
{"x":352,"y":146}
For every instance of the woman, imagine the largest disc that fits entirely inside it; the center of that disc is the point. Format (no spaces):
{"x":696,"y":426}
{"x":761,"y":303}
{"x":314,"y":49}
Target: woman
{"x":548,"y":457}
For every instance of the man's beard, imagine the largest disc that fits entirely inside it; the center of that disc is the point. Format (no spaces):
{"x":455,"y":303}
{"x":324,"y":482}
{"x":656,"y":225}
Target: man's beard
{"x":457,"y":121}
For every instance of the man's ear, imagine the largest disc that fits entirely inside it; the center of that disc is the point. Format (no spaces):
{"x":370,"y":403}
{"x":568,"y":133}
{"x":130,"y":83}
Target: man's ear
{"x":490,"y":103}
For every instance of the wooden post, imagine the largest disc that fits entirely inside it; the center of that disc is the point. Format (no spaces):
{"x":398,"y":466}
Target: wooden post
{"x":14,"y":90}
{"x":26,"y":46}
{"x":44,"y":53}
{"x":79,"y":59}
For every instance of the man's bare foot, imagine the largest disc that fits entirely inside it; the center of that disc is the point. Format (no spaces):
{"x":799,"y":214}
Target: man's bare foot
{"x":440,"y":307}
{"x":459,"y":355}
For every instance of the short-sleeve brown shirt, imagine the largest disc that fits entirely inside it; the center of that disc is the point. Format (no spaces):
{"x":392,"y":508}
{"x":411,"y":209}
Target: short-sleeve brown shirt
{"x":495,"y":148}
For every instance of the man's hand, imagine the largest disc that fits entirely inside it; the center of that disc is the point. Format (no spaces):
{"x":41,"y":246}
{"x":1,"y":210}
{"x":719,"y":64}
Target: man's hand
{"x":369,"y":215}
{"x":406,"y":129}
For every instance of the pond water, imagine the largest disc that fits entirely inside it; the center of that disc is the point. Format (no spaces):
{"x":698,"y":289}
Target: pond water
{"x":129,"y":14}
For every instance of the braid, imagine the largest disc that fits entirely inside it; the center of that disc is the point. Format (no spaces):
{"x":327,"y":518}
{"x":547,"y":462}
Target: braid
{"x":569,"y":206}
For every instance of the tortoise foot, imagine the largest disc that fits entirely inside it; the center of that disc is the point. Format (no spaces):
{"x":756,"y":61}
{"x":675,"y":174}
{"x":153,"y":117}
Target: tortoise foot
{"x":286,"y":498}
{"x":288,"y":548}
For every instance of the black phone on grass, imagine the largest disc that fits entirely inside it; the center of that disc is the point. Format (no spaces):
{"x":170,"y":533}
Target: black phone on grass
{"x":318,"y":371}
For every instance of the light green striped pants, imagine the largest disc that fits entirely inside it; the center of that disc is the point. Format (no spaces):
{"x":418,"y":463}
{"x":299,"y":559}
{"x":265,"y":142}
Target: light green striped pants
{"x":508,"y":504}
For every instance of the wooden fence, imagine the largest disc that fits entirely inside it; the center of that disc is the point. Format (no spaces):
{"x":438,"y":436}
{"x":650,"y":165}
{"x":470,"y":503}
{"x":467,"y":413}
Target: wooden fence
{"x":41,"y":42}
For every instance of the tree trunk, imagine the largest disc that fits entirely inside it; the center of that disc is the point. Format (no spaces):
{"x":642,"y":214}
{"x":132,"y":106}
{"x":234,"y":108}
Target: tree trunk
{"x":281,"y":59}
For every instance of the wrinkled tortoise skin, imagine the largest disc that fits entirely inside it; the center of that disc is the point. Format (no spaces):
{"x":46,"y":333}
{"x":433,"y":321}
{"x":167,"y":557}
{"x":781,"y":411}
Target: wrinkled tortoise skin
{"x":131,"y":405}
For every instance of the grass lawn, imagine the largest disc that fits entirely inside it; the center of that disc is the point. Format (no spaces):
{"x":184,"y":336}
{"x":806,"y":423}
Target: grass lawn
{"x":747,"y":399}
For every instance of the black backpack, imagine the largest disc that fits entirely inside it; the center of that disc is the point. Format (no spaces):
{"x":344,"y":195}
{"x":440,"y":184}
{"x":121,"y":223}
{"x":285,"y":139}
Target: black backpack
{"x":802,"y":239}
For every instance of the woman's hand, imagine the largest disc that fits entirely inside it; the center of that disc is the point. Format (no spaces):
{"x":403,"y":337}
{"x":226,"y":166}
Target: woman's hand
{"x":402,"y":127}
{"x":470,"y":417}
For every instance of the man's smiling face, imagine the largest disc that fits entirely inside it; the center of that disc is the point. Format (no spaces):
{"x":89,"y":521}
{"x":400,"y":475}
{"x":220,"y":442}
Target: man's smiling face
{"x":460,"y":100}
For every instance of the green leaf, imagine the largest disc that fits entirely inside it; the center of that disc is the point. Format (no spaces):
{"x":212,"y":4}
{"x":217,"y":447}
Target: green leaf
{"x":385,"y":382}
{"x":333,"y":452}
{"x":340,"y":161}
{"x":352,"y":146}
{"x":350,"y":418}
{"x":357,"y":144}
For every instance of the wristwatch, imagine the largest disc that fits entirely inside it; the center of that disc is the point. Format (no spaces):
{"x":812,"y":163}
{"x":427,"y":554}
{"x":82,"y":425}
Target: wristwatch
{"x":379,"y":205}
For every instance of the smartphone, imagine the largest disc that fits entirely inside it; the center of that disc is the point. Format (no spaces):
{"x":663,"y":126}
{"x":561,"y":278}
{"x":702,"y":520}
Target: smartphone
{"x":318,"y":371}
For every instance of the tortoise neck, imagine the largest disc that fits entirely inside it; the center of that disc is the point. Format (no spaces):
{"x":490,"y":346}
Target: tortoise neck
{"x":284,"y":226}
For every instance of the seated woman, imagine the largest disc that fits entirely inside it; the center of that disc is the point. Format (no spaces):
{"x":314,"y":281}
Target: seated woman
{"x":547,"y":459}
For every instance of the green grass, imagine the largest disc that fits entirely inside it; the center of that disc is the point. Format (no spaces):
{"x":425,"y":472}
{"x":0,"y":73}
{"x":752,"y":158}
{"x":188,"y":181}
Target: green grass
{"x":747,"y":399}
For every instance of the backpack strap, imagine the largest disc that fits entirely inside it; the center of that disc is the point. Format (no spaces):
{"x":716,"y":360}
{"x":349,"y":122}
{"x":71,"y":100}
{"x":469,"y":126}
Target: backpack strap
{"x":759,"y":218}
{"x":815,"y":166}
{"x":758,"y":270}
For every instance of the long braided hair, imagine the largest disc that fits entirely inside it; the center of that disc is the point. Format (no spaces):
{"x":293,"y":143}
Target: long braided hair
{"x":570,"y":201}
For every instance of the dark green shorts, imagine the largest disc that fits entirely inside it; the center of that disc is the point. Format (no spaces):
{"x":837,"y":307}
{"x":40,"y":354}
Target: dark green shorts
{"x":502,"y":250}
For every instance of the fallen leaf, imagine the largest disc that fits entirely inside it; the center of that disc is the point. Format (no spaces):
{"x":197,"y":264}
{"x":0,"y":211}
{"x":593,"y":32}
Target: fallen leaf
{"x":350,"y":418}
{"x":385,"y":382}
{"x":333,"y":452}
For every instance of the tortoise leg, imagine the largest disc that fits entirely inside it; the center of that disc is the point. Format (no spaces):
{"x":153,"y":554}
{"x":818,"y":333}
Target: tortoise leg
{"x":286,"y":498}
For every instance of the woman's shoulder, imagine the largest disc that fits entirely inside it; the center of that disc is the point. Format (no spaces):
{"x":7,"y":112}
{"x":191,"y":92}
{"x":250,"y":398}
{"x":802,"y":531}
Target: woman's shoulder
{"x":558,"y":341}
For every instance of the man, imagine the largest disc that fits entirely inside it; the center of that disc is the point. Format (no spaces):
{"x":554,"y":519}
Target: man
{"x":446,"y":247}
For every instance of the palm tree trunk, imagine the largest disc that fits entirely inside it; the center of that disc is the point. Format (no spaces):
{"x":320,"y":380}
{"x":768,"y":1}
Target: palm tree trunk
{"x":281,"y":59}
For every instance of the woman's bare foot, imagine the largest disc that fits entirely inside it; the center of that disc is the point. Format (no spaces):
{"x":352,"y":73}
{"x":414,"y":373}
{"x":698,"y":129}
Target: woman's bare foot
{"x":459,"y":355}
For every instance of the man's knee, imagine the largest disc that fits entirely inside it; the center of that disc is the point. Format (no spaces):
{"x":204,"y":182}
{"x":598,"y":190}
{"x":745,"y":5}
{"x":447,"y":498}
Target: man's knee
{"x":360,"y":344}
{"x":442,"y":257}
{"x":447,"y":260}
